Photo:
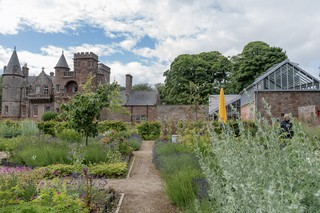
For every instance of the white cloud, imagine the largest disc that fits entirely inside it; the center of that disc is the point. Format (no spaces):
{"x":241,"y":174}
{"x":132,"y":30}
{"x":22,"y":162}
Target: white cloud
{"x":141,"y":74}
{"x":177,"y":27}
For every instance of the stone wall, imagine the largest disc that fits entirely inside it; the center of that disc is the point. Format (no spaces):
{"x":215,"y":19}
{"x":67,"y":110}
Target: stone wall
{"x":135,"y":114}
{"x":181,"y":112}
{"x":247,"y":111}
{"x":286,"y":102}
{"x":159,"y":112}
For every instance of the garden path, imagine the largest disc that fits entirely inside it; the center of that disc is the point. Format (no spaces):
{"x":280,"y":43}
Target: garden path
{"x":144,"y":189}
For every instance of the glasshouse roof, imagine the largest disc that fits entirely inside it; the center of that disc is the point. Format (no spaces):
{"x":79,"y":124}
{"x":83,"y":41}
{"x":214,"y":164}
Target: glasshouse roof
{"x":286,"y":76}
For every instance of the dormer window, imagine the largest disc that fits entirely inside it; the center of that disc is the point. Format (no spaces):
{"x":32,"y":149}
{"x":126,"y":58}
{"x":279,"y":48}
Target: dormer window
{"x":46,"y":89}
{"x":15,"y":69}
{"x":37,"y":89}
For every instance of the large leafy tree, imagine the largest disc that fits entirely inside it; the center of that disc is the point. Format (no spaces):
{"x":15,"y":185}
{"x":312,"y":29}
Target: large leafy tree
{"x":204,"y":71}
{"x":83,"y":111}
{"x":142,"y":87}
{"x":256,"y":58}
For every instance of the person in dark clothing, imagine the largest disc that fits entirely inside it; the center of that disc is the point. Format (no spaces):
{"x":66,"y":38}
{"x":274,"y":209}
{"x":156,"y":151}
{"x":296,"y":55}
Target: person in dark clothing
{"x":286,"y":131}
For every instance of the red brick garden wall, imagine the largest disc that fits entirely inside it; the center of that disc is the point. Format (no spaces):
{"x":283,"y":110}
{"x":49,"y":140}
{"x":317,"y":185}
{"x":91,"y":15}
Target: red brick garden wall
{"x":286,"y":102}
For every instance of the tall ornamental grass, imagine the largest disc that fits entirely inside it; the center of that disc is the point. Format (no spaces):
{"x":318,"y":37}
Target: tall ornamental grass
{"x":28,"y":128}
{"x":262,"y":173}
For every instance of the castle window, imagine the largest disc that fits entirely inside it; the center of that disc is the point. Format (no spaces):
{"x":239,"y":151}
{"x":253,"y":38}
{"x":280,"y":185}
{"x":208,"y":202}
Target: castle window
{"x":58,"y":88}
{"x":140,"y":118}
{"x":23,"y":110}
{"x":74,"y":89}
{"x":6,"y":110}
{"x":46,"y":89}
{"x":37,"y":89}
{"x":35,"y":110}
{"x":27,"y":91}
{"x":47,"y":108}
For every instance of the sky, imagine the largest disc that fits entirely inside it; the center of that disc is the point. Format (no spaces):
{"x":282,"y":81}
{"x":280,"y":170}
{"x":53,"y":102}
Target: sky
{"x":142,"y":37}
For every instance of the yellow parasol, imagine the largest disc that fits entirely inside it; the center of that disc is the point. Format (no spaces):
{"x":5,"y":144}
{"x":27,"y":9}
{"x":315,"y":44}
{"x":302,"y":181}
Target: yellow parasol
{"x":222,"y":107}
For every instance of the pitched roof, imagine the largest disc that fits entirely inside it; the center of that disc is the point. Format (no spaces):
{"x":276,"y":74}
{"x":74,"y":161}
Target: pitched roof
{"x":31,"y":79}
{"x":214,"y":101}
{"x":13,"y":65}
{"x":140,"y":98}
{"x":42,"y":77}
{"x":277,"y":66}
{"x":62,"y":63}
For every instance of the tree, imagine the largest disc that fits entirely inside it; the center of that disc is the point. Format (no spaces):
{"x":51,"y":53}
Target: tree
{"x":256,"y":58}
{"x":203,"y":70}
{"x":83,"y":110}
{"x":142,"y":87}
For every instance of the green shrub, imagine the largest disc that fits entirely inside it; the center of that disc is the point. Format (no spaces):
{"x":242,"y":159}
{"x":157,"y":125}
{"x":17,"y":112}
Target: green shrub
{"x":52,"y":127}
{"x":119,"y":126}
{"x":109,"y":170}
{"x":17,"y":184}
{"x":58,"y":170}
{"x":48,"y":116}
{"x":100,"y":170}
{"x":9,"y":144}
{"x":9,"y":129}
{"x":69,"y":135}
{"x":149,"y":130}
{"x":59,"y":201}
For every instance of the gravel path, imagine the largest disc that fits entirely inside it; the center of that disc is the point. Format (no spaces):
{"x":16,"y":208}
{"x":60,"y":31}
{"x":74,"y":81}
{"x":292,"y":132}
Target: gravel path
{"x":144,"y":189}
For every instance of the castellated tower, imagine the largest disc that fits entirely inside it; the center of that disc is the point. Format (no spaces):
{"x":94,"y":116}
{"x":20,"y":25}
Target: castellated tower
{"x":13,"y":91}
{"x":85,"y":65}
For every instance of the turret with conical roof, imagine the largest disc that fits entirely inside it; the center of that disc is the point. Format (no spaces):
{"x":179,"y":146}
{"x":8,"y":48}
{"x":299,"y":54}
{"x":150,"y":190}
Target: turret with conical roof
{"x":13,"y":88}
{"x":13,"y":67}
{"x":62,"y":63}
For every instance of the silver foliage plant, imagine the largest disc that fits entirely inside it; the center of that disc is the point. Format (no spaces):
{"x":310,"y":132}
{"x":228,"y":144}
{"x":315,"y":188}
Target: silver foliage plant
{"x":262,"y":172}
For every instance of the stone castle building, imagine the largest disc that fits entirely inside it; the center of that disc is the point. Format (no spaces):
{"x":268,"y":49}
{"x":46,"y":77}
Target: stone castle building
{"x":25,"y":96}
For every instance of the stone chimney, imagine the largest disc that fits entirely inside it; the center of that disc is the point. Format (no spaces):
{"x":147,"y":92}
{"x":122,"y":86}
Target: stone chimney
{"x":128,"y":84}
{"x":25,"y":70}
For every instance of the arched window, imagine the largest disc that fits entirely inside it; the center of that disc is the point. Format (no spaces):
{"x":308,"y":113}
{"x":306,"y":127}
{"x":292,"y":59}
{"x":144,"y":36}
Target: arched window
{"x":71,"y":87}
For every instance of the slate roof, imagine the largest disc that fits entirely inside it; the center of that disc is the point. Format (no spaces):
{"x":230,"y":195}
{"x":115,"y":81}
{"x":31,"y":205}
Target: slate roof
{"x":140,"y":98}
{"x":214,"y":101}
{"x":62,"y":63}
{"x":14,"y":61}
{"x":31,"y":79}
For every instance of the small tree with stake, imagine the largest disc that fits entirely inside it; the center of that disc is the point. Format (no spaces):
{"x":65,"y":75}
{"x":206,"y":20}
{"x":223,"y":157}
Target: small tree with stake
{"x":83,"y":111}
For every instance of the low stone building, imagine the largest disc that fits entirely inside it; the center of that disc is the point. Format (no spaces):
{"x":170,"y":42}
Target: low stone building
{"x":284,"y":87}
